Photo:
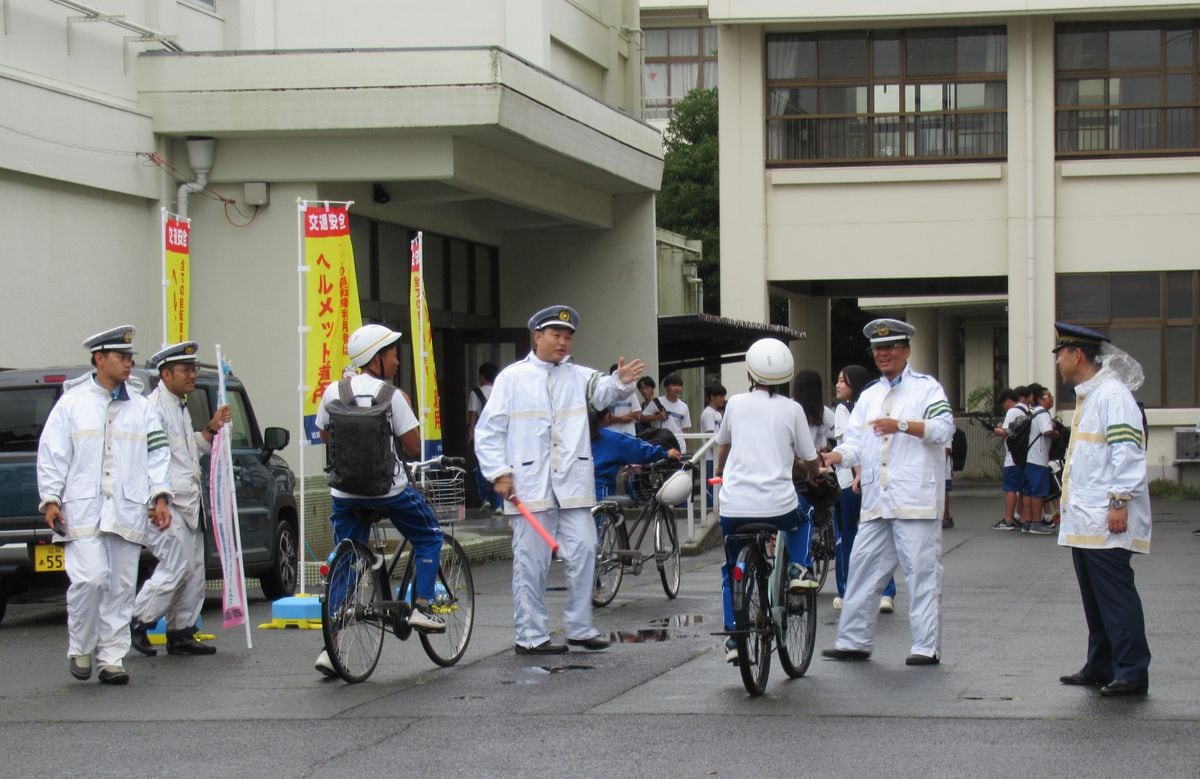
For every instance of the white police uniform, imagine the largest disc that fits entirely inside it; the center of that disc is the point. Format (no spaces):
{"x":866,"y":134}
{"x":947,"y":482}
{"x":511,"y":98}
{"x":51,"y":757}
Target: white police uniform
{"x":903,"y":481}
{"x":103,"y":459}
{"x":534,"y":428}
{"x":176,"y":588}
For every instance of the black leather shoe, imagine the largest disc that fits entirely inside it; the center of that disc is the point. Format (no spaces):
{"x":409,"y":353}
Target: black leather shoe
{"x":544,"y":648}
{"x":595,"y":642}
{"x":845,"y":654}
{"x":139,"y":640}
{"x":114,"y":674}
{"x":188,"y":645}
{"x":921,"y":660}
{"x":1124,"y":687}
{"x":1080,"y":678}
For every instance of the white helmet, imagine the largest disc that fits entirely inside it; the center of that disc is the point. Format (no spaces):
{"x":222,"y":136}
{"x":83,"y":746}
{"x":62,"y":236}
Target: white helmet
{"x":770,"y":362}
{"x":365,"y":342}
{"x":676,"y":489}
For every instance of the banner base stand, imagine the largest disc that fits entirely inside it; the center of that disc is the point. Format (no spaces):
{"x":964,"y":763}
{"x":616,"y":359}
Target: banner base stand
{"x":296,"y":611}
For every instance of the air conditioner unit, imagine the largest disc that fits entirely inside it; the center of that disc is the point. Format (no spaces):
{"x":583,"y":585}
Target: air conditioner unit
{"x":1187,"y":445}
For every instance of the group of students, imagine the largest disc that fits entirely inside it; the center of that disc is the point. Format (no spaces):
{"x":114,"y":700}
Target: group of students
{"x":1032,"y":459}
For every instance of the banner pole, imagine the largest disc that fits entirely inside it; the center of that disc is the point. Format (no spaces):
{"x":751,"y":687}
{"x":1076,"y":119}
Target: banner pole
{"x":226,"y":446}
{"x":301,"y":390}
{"x":162,"y":243}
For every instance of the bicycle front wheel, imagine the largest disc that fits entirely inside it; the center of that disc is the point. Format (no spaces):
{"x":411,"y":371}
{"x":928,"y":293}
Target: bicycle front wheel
{"x":352,"y":630}
{"x":609,"y":568}
{"x":666,"y":550}
{"x":824,"y":547}
{"x":797,"y":626}
{"x":453,"y":601}
{"x":754,"y":627}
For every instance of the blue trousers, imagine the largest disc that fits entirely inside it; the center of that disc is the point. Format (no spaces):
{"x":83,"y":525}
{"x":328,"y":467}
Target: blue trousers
{"x":412,"y":516}
{"x":797,"y":542}
{"x":486,"y":492}
{"x":845,"y":525}
{"x":1117,"y":648}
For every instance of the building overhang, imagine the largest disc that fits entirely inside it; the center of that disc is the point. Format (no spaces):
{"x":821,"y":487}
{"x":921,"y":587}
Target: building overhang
{"x":818,"y":12}
{"x":696,"y":340}
{"x":480,"y":123}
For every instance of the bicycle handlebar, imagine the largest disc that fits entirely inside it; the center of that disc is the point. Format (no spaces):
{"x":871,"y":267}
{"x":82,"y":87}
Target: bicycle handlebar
{"x":440,"y":461}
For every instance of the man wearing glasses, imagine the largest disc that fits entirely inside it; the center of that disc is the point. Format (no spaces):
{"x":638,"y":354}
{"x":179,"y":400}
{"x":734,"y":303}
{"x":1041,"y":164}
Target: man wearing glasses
{"x":898,"y":433}
{"x":176,"y":589}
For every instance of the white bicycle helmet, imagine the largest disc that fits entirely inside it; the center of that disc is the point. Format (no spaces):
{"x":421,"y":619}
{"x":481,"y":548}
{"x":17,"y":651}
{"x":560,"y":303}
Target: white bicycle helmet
{"x":770,"y":362}
{"x":676,"y":489}
{"x":365,"y":342}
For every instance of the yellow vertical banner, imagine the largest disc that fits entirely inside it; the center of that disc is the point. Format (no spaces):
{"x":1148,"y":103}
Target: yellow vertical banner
{"x":331,"y":304}
{"x":429,"y":403}
{"x":177,"y":269}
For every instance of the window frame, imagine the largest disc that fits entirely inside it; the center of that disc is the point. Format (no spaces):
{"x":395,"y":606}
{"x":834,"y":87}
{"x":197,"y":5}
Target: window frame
{"x":663,"y":108}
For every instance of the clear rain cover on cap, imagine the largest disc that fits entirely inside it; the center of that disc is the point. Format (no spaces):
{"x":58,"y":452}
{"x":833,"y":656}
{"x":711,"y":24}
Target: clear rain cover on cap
{"x":1123,"y":367}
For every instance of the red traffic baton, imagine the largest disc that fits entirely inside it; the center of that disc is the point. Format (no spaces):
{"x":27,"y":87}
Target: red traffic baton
{"x":532,"y":520}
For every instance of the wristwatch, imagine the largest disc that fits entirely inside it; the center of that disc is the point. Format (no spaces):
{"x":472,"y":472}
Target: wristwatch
{"x":1117,"y":503}
{"x":902,"y":425}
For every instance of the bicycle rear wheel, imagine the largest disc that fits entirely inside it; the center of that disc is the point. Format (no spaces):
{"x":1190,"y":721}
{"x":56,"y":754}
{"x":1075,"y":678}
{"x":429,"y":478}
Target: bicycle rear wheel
{"x":666,"y":550}
{"x":754,"y":626}
{"x":453,"y":601}
{"x":824,"y":547}
{"x":797,"y":626}
{"x":609,"y":568}
{"x":352,"y":630}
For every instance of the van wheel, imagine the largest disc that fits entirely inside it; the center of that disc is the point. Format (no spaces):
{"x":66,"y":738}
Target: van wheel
{"x":280,"y":581}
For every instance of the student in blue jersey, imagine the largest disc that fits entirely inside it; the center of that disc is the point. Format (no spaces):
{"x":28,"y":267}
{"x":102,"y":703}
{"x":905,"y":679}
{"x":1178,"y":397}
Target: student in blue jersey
{"x":612,"y":449}
{"x":762,"y":435}
{"x":898,"y":433}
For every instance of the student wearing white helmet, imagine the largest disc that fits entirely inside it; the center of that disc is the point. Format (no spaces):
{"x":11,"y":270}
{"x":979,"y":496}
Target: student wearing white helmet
{"x":762,"y":434}
{"x":374,"y":349}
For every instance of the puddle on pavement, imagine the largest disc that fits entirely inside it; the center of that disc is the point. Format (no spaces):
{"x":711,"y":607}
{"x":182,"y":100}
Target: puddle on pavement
{"x":537,"y":674}
{"x":662,"y":629}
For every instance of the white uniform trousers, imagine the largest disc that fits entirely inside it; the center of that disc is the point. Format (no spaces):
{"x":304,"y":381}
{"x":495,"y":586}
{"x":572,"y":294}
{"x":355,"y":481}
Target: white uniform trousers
{"x":176,"y":588}
{"x":917,"y":545}
{"x":575,"y":531}
{"x":103,"y":573}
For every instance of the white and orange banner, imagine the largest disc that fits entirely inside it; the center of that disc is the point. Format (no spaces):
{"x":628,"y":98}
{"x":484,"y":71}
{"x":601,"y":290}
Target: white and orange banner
{"x":331,"y":303}
{"x":177,"y":285}
{"x":429,"y":403}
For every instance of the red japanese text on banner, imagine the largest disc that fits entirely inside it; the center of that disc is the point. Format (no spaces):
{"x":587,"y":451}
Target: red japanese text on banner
{"x":178,"y":269}
{"x":429,"y":402}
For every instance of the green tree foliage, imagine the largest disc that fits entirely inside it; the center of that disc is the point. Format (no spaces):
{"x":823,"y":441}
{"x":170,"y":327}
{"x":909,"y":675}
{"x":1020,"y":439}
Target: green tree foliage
{"x":689,"y":202}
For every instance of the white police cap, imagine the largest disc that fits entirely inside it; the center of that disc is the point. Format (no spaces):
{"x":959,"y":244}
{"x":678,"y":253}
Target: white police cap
{"x":117,"y":339}
{"x":886,"y":331}
{"x":555,"y":316}
{"x":181,"y":352}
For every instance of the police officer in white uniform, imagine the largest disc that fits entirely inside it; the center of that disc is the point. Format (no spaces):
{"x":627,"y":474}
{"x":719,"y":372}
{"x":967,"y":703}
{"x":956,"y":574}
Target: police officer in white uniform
{"x":176,"y":589}
{"x":102,"y":478}
{"x":532,"y":441}
{"x":898,"y":432}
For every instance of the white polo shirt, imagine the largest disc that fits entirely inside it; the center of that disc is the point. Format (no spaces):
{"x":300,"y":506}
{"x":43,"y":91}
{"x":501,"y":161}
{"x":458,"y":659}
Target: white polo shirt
{"x":766,"y":434}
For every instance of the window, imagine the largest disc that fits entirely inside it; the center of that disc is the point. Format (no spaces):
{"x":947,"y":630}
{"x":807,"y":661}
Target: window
{"x":676,"y":61}
{"x":1153,"y":316}
{"x":887,"y":96}
{"x":1127,"y":89}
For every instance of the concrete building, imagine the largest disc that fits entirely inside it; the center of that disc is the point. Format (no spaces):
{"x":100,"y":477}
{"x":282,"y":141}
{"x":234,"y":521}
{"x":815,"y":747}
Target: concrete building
{"x":507,"y":130}
{"x":980,"y":168}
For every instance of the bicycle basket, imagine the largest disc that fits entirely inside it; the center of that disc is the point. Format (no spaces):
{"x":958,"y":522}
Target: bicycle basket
{"x":445,"y":490}
{"x":822,"y":495}
{"x":644,"y":481}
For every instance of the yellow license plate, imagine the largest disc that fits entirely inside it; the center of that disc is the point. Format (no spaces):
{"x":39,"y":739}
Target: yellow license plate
{"x":48,"y":558}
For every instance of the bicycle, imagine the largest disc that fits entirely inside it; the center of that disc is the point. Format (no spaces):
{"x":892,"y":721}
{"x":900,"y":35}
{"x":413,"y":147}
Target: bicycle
{"x":667,"y":483}
{"x":823,"y":497}
{"x":364,"y":597}
{"x":764,"y":611}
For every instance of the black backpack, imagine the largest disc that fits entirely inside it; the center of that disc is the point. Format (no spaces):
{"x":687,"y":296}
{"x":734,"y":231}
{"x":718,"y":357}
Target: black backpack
{"x":360,"y":457}
{"x":958,"y":450}
{"x":1018,"y":441}
{"x":1058,"y":446}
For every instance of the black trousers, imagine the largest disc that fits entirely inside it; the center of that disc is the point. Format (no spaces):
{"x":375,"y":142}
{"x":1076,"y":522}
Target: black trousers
{"x":1117,"y":648}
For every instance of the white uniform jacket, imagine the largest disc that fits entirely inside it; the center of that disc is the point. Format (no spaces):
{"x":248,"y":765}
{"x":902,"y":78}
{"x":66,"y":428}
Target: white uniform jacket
{"x":903,"y":477}
{"x":535,"y":427}
{"x":187,"y":445}
{"x":1106,"y":456}
{"x":93,"y":447}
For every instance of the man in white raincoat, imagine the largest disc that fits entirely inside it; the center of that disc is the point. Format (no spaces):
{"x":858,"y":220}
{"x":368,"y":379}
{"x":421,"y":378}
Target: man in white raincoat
{"x":532,"y":441}
{"x":898,"y":432}
{"x":102,"y":477}
{"x":176,"y":589}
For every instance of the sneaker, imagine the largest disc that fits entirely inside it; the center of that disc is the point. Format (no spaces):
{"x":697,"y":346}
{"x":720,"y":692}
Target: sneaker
{"x":731,"y":653}
{"x":837,"y":604}
{"x":113,"y":674}
{"x":1196,"y":532}
{"x":886,"y":605}
{"x":422,"y":618}
{"x":325,"y":665}
{"x":801,"y":579}
{"x":1039,"y":529}
{"x":80,"y":667}
{"x":1003,"y":525}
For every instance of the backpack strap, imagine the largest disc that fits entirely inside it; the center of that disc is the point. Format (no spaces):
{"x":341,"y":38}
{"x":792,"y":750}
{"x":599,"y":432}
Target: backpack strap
{"x":345,"y":393}
{"x":384,"y":396}
{"x":478,"y":393}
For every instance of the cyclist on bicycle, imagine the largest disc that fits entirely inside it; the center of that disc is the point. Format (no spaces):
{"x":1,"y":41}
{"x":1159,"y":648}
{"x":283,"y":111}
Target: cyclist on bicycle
{"x":611,"y":449}
{"x":374,"y":349}
{"x":762,"y":434}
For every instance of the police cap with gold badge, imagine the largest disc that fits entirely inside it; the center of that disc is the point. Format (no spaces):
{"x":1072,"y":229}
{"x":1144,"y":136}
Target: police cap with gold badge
{"x":554,"y":316}
{"x":1074,"y":335}
{"x":117,"y":339}
{"x":888,"y":331}
{"x":186,"y":352}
